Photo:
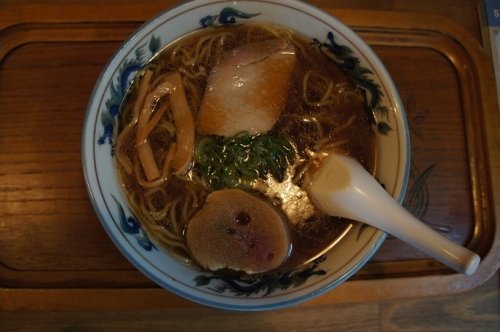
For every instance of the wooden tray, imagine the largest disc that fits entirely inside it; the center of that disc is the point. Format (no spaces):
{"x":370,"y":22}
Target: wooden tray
{"x":54,"y":254}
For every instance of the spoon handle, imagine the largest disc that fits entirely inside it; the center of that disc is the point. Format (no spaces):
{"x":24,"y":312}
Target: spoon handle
{"x":351,"y":192}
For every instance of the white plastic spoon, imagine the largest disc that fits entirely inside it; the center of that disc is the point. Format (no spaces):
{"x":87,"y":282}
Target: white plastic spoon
{"x":342,"y":187}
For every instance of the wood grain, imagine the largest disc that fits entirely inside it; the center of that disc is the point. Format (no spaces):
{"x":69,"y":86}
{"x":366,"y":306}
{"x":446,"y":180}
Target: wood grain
{"x":478,"y":310}
{"x":36,"y":131}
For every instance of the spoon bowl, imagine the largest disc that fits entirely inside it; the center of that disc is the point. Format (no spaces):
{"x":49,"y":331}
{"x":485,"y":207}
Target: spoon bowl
{"x":342,"y":187}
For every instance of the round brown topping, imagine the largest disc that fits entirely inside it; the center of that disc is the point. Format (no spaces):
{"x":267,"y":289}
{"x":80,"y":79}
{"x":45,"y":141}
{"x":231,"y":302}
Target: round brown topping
{"x":238,"y":231}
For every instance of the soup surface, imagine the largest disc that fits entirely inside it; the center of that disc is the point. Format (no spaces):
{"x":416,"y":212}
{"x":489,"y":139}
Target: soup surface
{"x":253,"y":108}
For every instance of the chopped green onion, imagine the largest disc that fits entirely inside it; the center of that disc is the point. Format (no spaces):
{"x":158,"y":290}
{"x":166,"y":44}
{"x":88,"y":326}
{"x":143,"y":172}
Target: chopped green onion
{"x":236,"y":162}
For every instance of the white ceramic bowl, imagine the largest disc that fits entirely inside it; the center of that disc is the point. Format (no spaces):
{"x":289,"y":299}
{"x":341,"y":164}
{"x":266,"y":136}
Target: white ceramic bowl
{"x":99,"y":132}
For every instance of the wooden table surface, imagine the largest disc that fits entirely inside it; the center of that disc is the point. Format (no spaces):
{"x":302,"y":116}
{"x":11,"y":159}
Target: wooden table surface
{"x":467,"y":304}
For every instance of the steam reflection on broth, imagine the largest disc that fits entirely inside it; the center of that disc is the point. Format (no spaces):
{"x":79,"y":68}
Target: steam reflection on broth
{"x":169,"y":166}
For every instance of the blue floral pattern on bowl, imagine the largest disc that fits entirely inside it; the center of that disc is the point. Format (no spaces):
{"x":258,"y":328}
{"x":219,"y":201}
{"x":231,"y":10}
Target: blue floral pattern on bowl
{"x":343,"y":56}
{"x":268,"y":291}
{"x":109,"y":123}
{"x":266,"y":284}
{"x":227,"y":16}
{"x":119,"y":86}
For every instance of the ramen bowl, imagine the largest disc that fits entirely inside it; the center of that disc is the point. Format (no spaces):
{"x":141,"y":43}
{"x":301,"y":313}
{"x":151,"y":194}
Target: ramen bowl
{"x":263,"y":291}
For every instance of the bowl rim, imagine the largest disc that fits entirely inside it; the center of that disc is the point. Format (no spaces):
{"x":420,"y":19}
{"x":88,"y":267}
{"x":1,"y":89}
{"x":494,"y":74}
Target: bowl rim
{"x":316,"y":13}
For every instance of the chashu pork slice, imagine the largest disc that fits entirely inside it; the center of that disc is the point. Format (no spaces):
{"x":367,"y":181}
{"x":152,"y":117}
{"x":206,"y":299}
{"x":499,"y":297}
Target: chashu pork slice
{"x":238,"y":231}
{"x":248,"y":89}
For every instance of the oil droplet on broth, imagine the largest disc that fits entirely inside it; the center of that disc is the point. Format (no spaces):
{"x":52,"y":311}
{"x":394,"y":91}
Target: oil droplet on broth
{"x":294,"y":201}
